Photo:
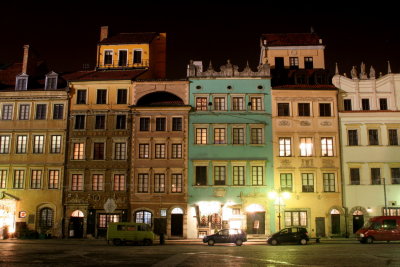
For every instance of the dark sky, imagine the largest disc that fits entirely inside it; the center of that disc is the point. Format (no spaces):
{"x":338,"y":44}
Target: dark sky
{"x":66,"y":34}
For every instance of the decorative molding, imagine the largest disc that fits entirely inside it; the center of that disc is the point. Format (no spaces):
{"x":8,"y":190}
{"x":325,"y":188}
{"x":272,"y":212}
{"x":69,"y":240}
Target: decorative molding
{"x":326,"y":123}
{"x":284,"y":123}
{"x":305,"y":123}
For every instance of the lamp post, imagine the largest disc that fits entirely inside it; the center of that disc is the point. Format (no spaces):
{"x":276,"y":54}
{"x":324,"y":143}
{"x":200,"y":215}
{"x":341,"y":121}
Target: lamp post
{"x":384,"y":195}
{"x":279,"y":197}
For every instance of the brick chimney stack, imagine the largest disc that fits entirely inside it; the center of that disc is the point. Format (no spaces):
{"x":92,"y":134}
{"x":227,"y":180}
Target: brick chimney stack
{"x":103,"y":33}
{"x":25,"y":59}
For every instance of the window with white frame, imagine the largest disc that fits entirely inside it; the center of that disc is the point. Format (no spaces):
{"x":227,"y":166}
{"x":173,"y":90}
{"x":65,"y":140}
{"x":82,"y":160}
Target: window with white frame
{"x":120,"y":151}
{"x":306,"y":147}
{"x":51,"y":81}
{"x":119,"y":182}
{"x":3,"y":178}
{"x":108,"y":57}
{"x":329,"y":182}
{"x":4,"y":144}
{"x":219,"y":175}
{"x":78,"y":151}
{"x":160,"y":151}
{"x":143,"y":183}
{"x":54,"y":179}
{"x":286,"y":182}
{"x":285,"y":147}
{"x":201,"y":104}
{"x":256,"y":103}
{"x":352,"y":137}
{"x":22,"y":141}
{"x":19,"y":176}
{"x":238,"y":175}
{"x":58,"y":111}
{"x":393,"y":137}
{"x":176,"y":183}
{"x":219,"y":103}
{"x":36,"y":179}
{"x":97,"y":182}
{"x":143,"y":216}
{"x":55,"y":145}
{"x":21,"y":82}
{"x":238,"y":136}
{"x":104,"y":219}
{"x":256,"y":136}
{"x":257,"y":175}
{"x":176,"y":151}
{"x":137,"y":56}
{"x":237,"y":103}
{"x":327,"y":146}
{"x":24,"y":111}
{"x":295,"y":218}
{"x":7,"y":112}
{"x":144,"y":151}
{"x":219,"y":136}
{"x":159,"y":183}
{"x":307,"y":182}
{"x":201,"y":136}
{"x":77,"y":182}
{"x":38,"y":144}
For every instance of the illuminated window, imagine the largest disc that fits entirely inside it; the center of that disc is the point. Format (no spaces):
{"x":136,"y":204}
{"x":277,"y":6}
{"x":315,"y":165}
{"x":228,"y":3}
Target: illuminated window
{"x":329,"y":182}
{"x":160,"y":151}
{"x":238,"y":136}
{"x":55,"y":146}
{"x":97,"y":182}
{"x":294,"y":62}
{"x":120,"y":151}
{"x":108,"y":57}
{"x":307,"y":182}
{"x":79,"y":149}
{"x":38,"y":144}
{"x":119,"y":182}
{"x":238,"y":175}
{"x":201,"y":103}
{"x":21,"y":82}
{"x":327,"y":147}
{"x":257,"y":176}
{"x":54,"y":178}
{"x":286,"y":182}
{"x":176,"y":151}
{"x":24,"y":112}
{"x":256,"y":136}
{"x":256,"y":103}
{"x":7,"y":112}
{"x":392,"y":211}
{"x":219,"y":136}
{"x":36,"y":179}
{"x":4,"y":144}
{"x":306,"y":147}
{"x":77,"y":182}
{"x":104,"y":219}
{"x":176,"y":183}
{"x":143,"y":216}
{"x":219,"y":175}
{"x":219,"y":103}
{"x":3,"y":178}
{"x":237,"y":103}
{"x":21,"y":144}
{"x":295,"y":218}
{"x":19,"y":176}
{"x":143,"y":183}
{"x":285,"y":147}
{"x":201,"y":136}
{"x":159,"y":183}
{"x":144,"y":151}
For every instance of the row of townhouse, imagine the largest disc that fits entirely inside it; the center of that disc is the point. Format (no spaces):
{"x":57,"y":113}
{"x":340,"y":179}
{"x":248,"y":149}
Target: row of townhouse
{"x":257,"y":150}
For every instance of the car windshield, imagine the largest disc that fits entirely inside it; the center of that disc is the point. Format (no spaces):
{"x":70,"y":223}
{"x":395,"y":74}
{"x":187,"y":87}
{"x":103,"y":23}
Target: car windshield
{"x":372,"y":225}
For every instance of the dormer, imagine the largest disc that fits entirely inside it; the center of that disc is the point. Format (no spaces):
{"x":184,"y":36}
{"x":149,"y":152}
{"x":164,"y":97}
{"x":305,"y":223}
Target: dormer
{"x":51,"y":81}
{"x":21,"y":82}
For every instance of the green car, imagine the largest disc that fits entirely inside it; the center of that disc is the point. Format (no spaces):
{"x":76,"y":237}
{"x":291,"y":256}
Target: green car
{"x":121,"y":233}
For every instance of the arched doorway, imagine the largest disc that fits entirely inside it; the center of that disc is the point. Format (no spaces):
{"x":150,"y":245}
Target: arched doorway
{"x":75,"y":229}
{"x":358,"y":220}
{"x":177,"y":222}
{"x":335,"y":222}
{"x":46,"y":220}
{"x":255,"y":219}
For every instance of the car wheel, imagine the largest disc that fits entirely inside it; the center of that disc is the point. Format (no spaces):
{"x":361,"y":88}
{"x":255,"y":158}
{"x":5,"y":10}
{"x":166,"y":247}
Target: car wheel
{"x":117,"y":242}
{"x":211,"y":242}
{"x":303,"y":241}
{"x":273,"y":242}
{"x":238,"y":242}
{"x":369,"y":240}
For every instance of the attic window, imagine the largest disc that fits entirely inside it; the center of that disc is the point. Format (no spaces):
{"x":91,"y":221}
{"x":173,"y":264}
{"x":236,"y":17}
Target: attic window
{"x":21,"y":82}
{"x":51,"y":81}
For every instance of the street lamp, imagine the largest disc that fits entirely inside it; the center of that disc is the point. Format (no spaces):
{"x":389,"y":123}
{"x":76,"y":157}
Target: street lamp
{"x":279,"y":201}
{"x":384,"y":195}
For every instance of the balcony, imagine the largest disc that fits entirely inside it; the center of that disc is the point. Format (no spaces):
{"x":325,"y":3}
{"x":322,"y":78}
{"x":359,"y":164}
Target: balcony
{"x":122,"y":65}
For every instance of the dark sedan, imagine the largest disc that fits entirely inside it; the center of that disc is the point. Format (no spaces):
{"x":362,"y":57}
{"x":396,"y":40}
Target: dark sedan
{"x":298,"y":235}
{"x":236,"y":236}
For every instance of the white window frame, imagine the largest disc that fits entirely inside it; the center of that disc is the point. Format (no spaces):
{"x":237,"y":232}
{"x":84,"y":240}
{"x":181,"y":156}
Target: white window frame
{"x":112,"y":57}
{"x":141,"y":57}
{"x":306,"y":148}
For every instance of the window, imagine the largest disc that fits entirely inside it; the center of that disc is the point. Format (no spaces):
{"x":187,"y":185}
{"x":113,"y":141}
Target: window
{"x":137,"y":56}
{"x":219,"y":103}
{"x":294,"y":62}
{"x":354,"y":176}
{"x":18,"y":179}
{"x":238,"y":136}
{"x":144,"y":151}
{"x":21,"y":144}
{"x":122,"y":58}
{"x":256,"y":136}
{"x":375,"y":176}
{"x":108,"y":57}
{"x":36,"y":179}
{"x":122,"y":96}
{"x":98,"y":151}
{"x":51,"y":82}
{"x":201,"y":136}
{"x":257,"y":175}
{"x":308,"y":63}
{"x":176,"y":124}
{"x":104,"y":219}
{"x":81,"y":97}
{"x":304,"y":109}
{"x":143,"y":217}
{"x":307,"y":182}
{"x":7,"y":112}
{"x":120,"y":151}
{"x":365,"y":104}
{"x":256,"y":103}
{"x":347,"y":104}
{"x":38,"y":144}
{"x":295,"y":218}
{"x":373,"y":137}
{"x":237,"y":103}
{"x":286,"y":182}
{"x":41,"y":110}
{"x":24,"y":112}
{"x":219,"y":136}
{"x":238,"y":175}
{"x":201,"y":103}
{"x":58,"y":111}
{"x":395,"y":175}
{"x":201,"y":175}
{"x":327,"y":146}
{"x":160,"y":124}
{"x":283,"y":109}
{"x":160,"y":151}
{"x":54,"y":178}
{"x":219,"y":175}
{"x":176,"y":151}
{"x":383,"y":104}
{"x":352,"y":137}
{"x":393,"y":137}
{"x":97,"y":182}
{"x":176,"y":183}
{"x":4,"y":144}
{"x":324,"y":109}
{"x":143,"y":183}
{"x":119,"y":182}
{"x":55,"y":146}
{"x":100,"y":122}
{"x":144,"y":124}
{"x":329,"y":182}
{"x":121,"y":122}
{"x":22,"y":82}
{"x":159,"y":183}
{"x":101,"y":96}
{"x":79,"y":149}
{"x":79,"y":122}
{"x":306,"y":147}
{"x":279,"y":63}
{"x":77,"y":182}
{"x":46,"y":218}
{"x":3,"y":179}
{"x":285,"y":147}
{"x":392,"y":211}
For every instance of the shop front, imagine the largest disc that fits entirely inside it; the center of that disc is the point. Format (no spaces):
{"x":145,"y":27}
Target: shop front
{"x":8,"y":209}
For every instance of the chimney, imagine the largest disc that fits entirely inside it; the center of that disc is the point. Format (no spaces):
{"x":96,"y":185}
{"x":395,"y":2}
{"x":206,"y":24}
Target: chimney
{"x":25,"y":59}
{"x":103,"y":33}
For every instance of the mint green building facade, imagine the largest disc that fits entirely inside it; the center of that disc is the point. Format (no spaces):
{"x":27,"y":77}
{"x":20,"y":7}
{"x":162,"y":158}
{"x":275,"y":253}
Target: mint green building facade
{"x":230,"y":160}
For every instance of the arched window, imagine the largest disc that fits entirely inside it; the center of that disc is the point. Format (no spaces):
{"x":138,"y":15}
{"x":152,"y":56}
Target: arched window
{"x":143,"y":216}
{"x":46,"y":217}
{"x":77,"y":213}
{"x":177,"y":211}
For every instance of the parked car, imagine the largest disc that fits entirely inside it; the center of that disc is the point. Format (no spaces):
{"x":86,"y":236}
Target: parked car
{"x":380,"y":228}
{"x":236,"y":236}
{"x":121,"y":233}
{"x":297,"y":235}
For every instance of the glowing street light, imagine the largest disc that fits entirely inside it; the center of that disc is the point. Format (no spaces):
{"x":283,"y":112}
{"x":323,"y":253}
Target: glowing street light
{"x":279,"y":198}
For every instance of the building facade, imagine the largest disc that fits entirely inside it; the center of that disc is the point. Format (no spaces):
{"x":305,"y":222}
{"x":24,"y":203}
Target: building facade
{"x":370,"y":130}
{"x":230,"y":170}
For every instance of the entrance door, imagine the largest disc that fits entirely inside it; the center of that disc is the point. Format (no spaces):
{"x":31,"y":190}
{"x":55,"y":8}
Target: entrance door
{"x":177,"y":224}
{"x":335,"y":218}
{"x":279,"y":63}
{"x":256,"y":223}
{"x":358,"y":222}
{"x":320,"y":225}
{"x":76,"y":227}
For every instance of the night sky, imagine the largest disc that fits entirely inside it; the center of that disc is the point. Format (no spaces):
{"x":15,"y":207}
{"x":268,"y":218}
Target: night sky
{"x":65,"y":35}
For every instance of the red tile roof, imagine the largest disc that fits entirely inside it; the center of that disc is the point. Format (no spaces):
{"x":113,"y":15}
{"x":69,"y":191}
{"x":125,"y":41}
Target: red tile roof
{"x":130,"y":38}
{"x":9,"y":74}
{"x":286,"y":39}
{"x":305,"y":86}
{"x":103,"y":75}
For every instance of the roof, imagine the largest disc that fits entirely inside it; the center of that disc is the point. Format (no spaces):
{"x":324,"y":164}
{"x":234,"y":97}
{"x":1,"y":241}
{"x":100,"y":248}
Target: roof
{"x":291,"y":39}
{"x":9,"y":74}
{"x":130,"y":38}
{"x":305,"y":86}
{"x":101,"y":75}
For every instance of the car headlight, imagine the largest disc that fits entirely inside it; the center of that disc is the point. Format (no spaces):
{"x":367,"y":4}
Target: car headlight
{"x":361,"y":235}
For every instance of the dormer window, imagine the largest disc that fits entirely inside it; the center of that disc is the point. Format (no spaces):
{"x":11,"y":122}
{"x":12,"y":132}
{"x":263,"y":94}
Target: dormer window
{"x":21,"y":82}
{"x":137,"y":56}
{"x":108,"y":57}
{"x":51,"y":81}
{"x":123,"y":58}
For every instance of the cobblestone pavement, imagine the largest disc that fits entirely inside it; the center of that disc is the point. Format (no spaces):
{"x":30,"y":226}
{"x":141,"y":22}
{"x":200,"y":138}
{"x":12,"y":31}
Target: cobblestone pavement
{"x":194,"y":253}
